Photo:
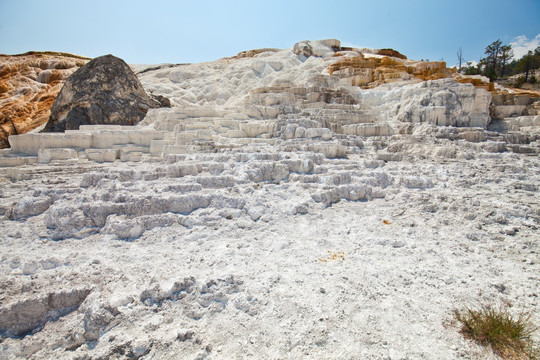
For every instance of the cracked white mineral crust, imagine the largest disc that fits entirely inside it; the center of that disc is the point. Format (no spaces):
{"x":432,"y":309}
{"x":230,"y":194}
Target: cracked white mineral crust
{"x":317,"y":202}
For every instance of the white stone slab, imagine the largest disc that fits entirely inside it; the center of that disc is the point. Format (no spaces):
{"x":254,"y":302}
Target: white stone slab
{"x":31,"y":143}
{"x":46,"y":155}
{"x":102,"y":155}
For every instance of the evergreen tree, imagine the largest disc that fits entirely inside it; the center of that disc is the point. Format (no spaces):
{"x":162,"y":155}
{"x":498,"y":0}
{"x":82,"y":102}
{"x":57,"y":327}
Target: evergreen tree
{"x":505,"y":55}
{"x":491,"y":61}
{"x":526,"y":64}
{"x":470,"y":69}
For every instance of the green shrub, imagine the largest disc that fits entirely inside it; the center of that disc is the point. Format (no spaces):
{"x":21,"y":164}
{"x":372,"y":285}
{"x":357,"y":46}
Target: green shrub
{"x":508,"y":336}
{"x":519,"y":81}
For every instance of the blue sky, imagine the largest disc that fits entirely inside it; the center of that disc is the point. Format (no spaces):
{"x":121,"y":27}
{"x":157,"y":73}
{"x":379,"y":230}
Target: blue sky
{"x":194,"y":31}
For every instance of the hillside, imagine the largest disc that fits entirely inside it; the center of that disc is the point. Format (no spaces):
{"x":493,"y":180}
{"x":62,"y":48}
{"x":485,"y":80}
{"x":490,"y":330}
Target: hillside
{"x":312,"y":202}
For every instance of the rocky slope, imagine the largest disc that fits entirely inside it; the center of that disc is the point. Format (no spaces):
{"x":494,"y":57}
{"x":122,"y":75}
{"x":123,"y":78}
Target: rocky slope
{"x":29,"y":84}
{"x":285,"y":208}
{"x":105,"y":91}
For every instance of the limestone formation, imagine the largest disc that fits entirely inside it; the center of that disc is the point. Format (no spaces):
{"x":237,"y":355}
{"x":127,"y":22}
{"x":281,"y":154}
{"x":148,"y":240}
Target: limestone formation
{"x":104,"y":91}
{"x":320,"y":48}
{"x":296,"y":203}
{"x":30,"y":315}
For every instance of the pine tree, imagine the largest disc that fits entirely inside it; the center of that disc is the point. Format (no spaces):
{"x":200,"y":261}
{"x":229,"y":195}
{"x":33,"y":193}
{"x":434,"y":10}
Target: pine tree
{"x":505,"y":55}
{"x":525,"y":64}
{"x":492,"y":59}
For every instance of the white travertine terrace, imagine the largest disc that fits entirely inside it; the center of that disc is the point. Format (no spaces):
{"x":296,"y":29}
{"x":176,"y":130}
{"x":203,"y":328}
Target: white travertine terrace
{"x":276,"y":211}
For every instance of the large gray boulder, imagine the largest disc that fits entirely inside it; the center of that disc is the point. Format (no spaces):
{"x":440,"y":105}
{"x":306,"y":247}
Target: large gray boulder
{"x":104,"y":91}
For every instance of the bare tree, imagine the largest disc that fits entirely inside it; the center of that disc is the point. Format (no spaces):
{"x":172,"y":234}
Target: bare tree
{"x":459,"y":58}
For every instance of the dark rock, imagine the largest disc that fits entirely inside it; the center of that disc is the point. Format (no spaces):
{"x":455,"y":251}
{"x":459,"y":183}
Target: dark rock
{"x":161,"y":100}
{"x":303,"y":48}
{"x":104,"y":91}
{"x":391,"y":53}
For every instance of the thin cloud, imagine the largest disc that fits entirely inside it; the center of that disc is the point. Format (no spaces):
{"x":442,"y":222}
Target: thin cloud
{"x":521,"y":45}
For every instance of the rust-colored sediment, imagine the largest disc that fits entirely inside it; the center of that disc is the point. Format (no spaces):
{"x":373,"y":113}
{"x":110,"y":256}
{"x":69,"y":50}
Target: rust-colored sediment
{"x":370,"y":71}
{"x":251,"y":53}
{"x":367,"y":71}
{"x":29,"y":84}
{"x":478,"y":83}
{"x":391,"y":53}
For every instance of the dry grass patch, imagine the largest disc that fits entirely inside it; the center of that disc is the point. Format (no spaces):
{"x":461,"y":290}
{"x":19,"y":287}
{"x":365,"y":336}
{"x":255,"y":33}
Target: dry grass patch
{"x":508,"y":336}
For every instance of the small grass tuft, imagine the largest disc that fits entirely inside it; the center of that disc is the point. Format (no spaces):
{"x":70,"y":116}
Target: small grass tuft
{"x":509,"y":337}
